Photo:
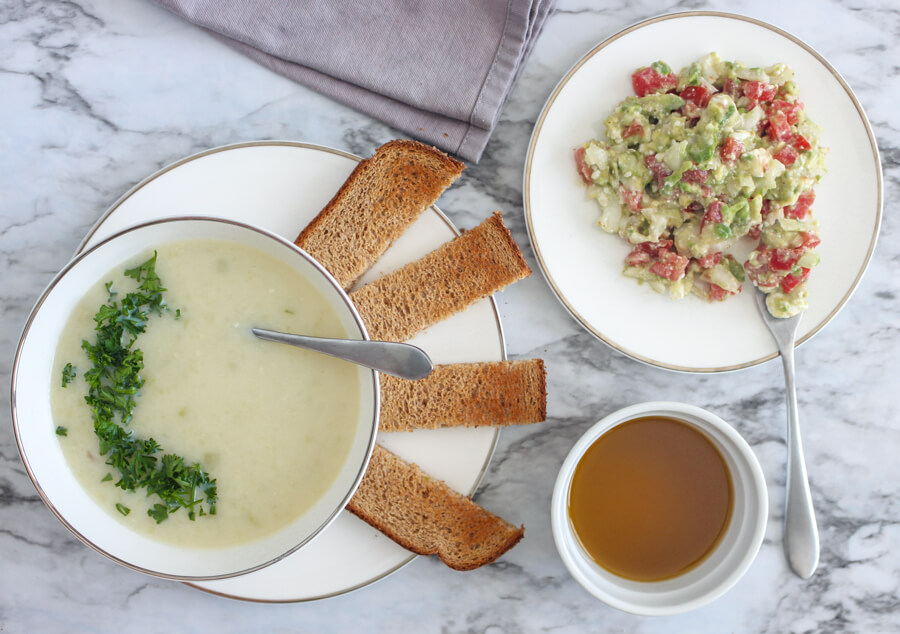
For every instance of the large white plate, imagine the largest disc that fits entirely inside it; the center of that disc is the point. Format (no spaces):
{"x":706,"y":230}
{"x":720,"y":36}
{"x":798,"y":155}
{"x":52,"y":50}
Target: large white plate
{"x":281,"y":186}
{"x":583,"y":264}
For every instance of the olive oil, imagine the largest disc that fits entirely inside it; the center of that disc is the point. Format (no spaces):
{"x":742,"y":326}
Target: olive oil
{"x":651,"y":499}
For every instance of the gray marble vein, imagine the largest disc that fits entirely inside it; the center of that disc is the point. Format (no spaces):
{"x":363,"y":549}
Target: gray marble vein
{"x":95,"y":95}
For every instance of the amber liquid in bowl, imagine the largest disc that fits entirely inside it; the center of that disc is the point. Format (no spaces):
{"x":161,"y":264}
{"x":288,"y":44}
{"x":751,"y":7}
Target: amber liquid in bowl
{"x":651,"y":499}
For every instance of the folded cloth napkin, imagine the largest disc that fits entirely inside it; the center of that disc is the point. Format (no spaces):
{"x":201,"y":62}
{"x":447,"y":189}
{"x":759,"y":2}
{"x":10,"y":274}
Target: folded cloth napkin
{"x":440,"y":70}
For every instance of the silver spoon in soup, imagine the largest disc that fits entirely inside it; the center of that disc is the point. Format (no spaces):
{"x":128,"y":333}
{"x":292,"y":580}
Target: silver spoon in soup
{"x":397,"y":359}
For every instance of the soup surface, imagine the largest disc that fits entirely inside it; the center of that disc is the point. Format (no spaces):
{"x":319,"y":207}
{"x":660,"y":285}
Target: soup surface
{"x":271,"y":423}
{"x":651,"y":499}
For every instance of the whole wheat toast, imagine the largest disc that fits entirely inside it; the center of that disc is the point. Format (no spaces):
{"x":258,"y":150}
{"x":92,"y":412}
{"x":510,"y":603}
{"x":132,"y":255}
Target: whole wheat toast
{"x":474,"y":265}
{"x":428,"y":517}
{"x":397,"y":498}
{"x":375,"y":205}
{"x":466,"y":394}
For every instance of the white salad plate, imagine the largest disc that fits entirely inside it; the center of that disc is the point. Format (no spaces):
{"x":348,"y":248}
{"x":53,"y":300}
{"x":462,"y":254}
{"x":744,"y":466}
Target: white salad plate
{"x":583,"y":264}
{"x":280,"y":186}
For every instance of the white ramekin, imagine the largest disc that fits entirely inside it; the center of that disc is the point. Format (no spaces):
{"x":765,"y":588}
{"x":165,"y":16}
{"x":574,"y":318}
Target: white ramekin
{"x":721,"y":569}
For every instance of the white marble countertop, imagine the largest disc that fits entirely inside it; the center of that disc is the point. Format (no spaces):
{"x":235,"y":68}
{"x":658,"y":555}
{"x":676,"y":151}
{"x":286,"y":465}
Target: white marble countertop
{"x":95,"y":95}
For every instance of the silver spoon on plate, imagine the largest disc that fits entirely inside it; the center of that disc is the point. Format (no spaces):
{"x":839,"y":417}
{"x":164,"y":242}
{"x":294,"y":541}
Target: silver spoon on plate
{"x":801,"y":536}
{"x":397,"y":359}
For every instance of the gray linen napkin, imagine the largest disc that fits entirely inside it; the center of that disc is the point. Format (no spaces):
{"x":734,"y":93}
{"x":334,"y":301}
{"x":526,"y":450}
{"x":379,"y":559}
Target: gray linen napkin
{"x":439,"y":70}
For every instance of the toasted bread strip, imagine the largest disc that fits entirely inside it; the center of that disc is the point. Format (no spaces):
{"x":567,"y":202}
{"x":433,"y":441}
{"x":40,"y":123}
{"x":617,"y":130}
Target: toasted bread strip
{"x":470,"y":267}
{"x":466,"y":394}
{"x":381,"y":198}
{"x":428,"y":517}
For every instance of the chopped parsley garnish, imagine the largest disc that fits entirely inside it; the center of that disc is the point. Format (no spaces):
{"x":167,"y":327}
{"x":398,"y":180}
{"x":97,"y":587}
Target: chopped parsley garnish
{"x":61,"y":431}
{"x":114,"y":383}
{"x":121,"y":508}
{"x":68,"y":374}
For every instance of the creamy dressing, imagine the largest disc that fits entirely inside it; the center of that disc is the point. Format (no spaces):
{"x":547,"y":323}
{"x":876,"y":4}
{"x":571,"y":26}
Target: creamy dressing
{"x":271,"y":423}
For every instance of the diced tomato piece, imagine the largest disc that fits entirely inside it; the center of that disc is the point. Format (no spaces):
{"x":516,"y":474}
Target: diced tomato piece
{"x":810,"y":241}
{"x":670,"y":265}
{"x":583,"y":168}
{"x":754,"y":231}
{"x":647,"y":81}
{"x":654,"y":248}
{"x":659,"y":170}
{"x":790,"y":281}
{"x":731,"y":149}
{"x":732,"y":88}
{"x":758,"y":90}
{"x":762,"y":128}
{"x":632,"y":199}
{"x":644,"y":81}
{"x":779,"y":126}
{"x":644,"y":252}
{"x":713,"y":214}
{"x":710,"y":260}
{"x":784,"y":258}
{"x":697,"y":95}
{"x":787,"y":156}
{"x":655,"y":165}
{"x":799,"y":142}
{"x":790,"y":109}
{"x":717,"y":293}
{"x":637,"y":257}
{"x":634,"y":129}
{"x":799,"y":209}
{"x":695,"y":176}
{"x":768,"y":92}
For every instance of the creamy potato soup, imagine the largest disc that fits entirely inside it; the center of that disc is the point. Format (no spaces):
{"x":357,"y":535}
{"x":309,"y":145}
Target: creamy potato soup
{"x":271,"y":423}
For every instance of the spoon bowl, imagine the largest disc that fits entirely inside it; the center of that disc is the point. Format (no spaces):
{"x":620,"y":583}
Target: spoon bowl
{"x":397,"y":359}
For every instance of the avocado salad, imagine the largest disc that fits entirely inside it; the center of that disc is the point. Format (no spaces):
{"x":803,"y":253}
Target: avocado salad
{"x":699,"y":160}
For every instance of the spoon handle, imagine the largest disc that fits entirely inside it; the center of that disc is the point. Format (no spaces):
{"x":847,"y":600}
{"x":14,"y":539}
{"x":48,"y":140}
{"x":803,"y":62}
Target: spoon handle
{"x":397,"y":359}
{"x":801,"y":536}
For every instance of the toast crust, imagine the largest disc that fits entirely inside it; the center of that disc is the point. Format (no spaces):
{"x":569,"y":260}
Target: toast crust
{"x":427,"y":517}
{"x":380,"y":199}
{"x":472,"y":266}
